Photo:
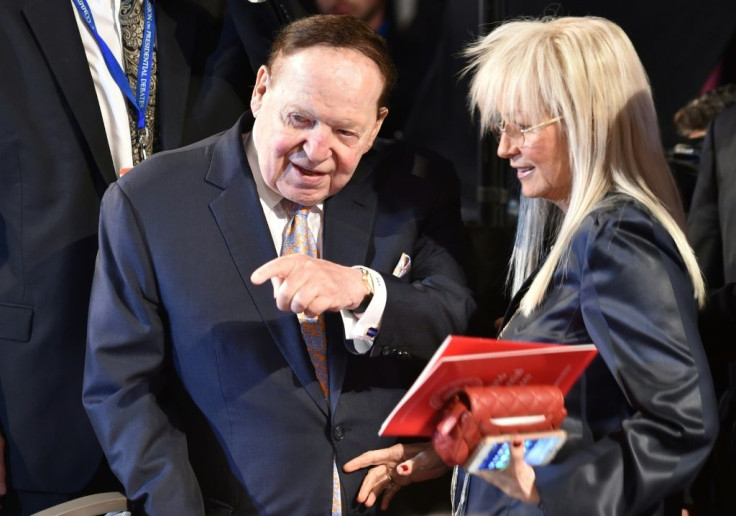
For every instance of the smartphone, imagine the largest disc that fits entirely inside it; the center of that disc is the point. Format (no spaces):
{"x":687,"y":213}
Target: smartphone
{"x":493,"y":451}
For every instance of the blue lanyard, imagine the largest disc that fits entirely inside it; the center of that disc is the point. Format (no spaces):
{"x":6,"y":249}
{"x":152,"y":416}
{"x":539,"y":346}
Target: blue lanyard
{"x":143,"y":83}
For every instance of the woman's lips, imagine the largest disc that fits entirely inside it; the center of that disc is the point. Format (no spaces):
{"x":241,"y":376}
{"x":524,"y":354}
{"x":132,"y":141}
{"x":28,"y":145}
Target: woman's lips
{"x":522,"y":172}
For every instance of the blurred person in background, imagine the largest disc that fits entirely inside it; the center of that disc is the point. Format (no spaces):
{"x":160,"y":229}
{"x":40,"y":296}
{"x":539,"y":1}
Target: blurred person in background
{"x":68,"y":130}
{"x":712,"y":233}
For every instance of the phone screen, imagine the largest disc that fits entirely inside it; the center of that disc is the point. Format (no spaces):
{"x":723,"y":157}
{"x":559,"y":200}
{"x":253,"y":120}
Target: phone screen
{"x":537,"y":452}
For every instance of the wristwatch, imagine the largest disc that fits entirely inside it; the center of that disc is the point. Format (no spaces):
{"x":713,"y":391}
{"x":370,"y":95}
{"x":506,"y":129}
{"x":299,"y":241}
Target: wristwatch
{"x":368,"y":282}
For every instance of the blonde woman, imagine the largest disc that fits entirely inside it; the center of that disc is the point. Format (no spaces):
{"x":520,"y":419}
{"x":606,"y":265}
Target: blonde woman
{"x":600,"y":256}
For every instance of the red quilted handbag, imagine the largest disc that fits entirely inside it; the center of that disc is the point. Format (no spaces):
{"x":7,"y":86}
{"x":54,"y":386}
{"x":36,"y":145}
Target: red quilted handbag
{"x":476,"y":412}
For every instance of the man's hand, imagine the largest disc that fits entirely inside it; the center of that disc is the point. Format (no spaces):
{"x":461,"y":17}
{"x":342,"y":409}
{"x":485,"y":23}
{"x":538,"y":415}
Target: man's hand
{"x":517,"y":480}
{"x":310,"y":285}
{"x":393,"y":468}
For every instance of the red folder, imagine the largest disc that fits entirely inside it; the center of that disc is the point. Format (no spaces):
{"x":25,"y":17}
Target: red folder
{"x":473,"y":361}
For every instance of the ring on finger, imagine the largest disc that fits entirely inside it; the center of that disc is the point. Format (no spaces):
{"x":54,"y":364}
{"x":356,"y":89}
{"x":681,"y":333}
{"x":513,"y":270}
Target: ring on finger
{"x":390,"y":480}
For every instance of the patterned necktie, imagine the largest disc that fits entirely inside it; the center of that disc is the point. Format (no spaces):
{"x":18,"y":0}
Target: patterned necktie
{"x":131,"y":25}
{"x":298,"y":239}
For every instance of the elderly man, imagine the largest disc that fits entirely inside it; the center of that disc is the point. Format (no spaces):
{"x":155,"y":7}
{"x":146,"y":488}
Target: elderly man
{"x":195,"y":245}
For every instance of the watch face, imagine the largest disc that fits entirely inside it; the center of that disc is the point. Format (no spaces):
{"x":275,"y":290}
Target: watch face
{"x":368,"y":280}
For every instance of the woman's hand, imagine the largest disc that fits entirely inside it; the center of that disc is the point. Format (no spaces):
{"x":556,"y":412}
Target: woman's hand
{"x":394,"y":468}
{"x":517,"y":480}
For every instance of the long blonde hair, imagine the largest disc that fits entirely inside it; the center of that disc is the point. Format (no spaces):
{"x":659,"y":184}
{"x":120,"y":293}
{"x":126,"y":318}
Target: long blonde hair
{"x":585,"y":70}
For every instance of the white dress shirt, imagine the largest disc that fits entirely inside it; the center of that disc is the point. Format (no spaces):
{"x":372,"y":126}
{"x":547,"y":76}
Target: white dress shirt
{"x":109,"y":97}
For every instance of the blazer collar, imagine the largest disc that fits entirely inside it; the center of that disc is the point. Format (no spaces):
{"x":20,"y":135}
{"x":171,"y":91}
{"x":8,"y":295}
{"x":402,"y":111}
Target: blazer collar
{"x":349,"y":217}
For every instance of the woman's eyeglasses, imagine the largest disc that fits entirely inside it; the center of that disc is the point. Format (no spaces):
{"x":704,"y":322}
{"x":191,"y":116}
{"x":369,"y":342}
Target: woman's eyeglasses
{"x":516,"y":134}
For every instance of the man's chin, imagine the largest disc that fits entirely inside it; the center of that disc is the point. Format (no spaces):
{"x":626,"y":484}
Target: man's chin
{"x":305,"y":198}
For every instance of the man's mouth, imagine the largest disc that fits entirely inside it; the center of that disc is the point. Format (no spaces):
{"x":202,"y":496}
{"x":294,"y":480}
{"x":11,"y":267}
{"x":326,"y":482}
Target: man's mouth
{"x":307,"y":173}
{"x":303,"y":170}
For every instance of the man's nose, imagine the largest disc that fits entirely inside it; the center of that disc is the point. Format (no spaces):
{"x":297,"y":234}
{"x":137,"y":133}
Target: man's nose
{"x":318,"y":145}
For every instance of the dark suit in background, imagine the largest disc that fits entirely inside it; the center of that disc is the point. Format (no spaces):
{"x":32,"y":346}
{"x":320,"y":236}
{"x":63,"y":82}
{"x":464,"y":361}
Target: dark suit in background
{"x":54,"y":166}
{"x":172,"y":297}
{"x":712,"y":233}
{"x":712,"y":224}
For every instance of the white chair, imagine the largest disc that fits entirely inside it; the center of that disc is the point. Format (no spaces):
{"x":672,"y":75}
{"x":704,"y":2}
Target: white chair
{"x":92,"y":505}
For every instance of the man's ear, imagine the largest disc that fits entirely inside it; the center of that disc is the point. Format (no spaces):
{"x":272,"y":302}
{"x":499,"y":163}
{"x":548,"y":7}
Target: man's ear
{"x":382,"y":113}
{"x":263,"y":82}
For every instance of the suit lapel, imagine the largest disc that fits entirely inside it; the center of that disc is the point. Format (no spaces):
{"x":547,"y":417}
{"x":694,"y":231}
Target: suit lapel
{"x":55,"y":28}
{"x":237,"y":211}
{"x":348,"y":227}
{"x":173,"y":69}
{"x":349,"y":216}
